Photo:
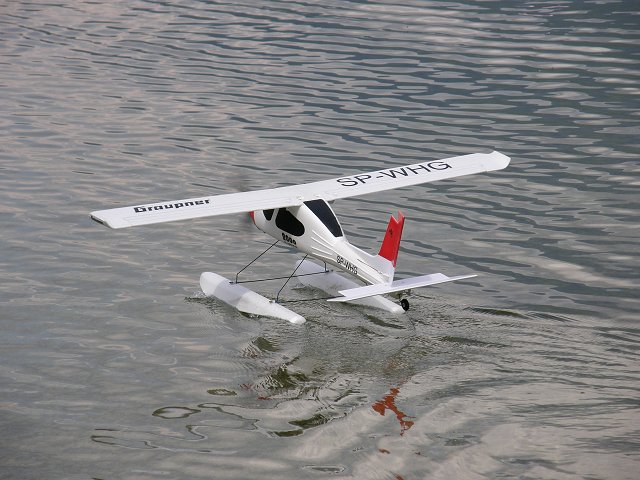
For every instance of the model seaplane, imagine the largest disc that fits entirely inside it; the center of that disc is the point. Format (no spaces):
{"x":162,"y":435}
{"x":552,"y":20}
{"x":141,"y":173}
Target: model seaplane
{"x":300,"y":216}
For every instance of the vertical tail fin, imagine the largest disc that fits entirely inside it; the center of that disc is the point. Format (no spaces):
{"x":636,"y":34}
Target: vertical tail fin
{"x":391,"y":243}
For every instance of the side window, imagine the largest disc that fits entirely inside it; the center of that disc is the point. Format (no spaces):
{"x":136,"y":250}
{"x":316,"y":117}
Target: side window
{"x":268,"y":214}
{"x":290,"y":224}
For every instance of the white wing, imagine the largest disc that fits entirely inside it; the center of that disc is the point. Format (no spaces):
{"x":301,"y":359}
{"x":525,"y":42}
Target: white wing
{"x":293,"y":195}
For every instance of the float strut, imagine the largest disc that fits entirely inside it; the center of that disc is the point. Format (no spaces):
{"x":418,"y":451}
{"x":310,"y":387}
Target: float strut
{"x":292,"y":274}
{"x":252,"y":261}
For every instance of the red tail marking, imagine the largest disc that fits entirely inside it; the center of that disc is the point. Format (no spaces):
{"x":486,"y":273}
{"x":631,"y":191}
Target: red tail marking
{"x":391,"y":242}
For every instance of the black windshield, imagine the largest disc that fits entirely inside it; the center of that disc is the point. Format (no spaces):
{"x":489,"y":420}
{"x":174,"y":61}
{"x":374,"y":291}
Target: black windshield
{"x":323,"y":211}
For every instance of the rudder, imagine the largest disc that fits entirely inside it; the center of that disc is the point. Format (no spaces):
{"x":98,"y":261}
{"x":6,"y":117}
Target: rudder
{"x":391,"y":242}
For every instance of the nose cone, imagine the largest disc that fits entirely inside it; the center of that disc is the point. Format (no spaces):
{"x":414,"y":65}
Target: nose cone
{"x":253,"y":218}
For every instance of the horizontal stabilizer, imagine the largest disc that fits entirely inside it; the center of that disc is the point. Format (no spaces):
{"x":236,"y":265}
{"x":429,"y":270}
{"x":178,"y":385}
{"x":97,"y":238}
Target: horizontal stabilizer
{"x":397,"y":286}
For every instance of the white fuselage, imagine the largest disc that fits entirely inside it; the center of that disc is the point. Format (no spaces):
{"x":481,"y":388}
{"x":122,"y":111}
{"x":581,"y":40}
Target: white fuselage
{"x":314,"y":229}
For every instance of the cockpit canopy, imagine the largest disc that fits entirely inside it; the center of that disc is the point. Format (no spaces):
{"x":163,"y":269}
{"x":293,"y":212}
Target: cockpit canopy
{"x":289,"y":223}
{"x":323,"y":211}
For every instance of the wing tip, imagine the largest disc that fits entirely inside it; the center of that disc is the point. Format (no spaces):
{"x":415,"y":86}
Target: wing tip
{"x":101,"y":221}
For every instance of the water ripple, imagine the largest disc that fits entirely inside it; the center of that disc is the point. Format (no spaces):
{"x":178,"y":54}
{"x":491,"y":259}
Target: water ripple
{"x":528,"y":370}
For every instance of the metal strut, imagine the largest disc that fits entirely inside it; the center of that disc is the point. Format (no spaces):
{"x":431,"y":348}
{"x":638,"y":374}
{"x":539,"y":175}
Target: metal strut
{"x":290,"y":276}
{"x":252,"y":261}
{"x":280,"y":278}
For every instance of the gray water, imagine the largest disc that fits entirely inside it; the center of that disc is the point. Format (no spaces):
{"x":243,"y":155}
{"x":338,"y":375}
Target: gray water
{"x":113,"y":365}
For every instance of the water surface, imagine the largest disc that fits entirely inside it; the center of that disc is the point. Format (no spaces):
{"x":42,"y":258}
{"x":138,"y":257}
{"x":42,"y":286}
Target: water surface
{"x":113,"y":365}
